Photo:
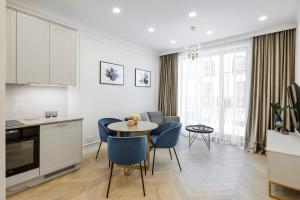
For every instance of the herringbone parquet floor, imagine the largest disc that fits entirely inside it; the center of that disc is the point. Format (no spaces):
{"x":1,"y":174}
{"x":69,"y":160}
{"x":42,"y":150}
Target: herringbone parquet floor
{"x":224,"y":173}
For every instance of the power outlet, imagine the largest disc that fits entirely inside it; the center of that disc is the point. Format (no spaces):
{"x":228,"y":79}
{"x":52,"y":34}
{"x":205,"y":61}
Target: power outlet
{"x":89,"y":139}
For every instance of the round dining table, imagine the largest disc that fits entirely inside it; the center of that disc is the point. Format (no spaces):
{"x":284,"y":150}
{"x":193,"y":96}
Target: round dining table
{"x":142,"y":128}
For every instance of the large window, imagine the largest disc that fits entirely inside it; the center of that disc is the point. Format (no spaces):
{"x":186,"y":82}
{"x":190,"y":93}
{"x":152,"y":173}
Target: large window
{"x":214,"y":90}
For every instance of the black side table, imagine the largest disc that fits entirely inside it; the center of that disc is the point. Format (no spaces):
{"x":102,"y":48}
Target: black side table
{"x":199,"y":129}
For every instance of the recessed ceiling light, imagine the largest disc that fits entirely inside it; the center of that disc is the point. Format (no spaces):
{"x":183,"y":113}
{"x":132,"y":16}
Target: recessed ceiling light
{"x":263,"y":18}
{"x":192,"y":14}
{"x":173,"y":42}
{"x":116,"y":10}
{"x":209,"y":32}
{"x":151,"y":29}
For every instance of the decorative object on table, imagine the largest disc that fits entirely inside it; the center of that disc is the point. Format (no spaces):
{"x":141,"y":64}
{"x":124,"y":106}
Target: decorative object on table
{"x":135,"y":118}
{"x":166,"y":140}
{"x":278,"y":110}
{"x":130,"y":123}
{"x":142,"y":78}
{"x":54,"y":113}
{"x":202,"y":130}
{"x":48,"y":114}
{"x":127,"y":151}
{"x":111,"y":73}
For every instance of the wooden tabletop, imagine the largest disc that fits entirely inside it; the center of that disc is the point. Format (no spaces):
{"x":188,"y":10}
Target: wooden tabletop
{"x":141,"y":126}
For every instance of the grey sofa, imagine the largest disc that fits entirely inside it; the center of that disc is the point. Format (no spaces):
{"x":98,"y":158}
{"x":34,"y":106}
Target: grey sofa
{"x":158,"y":117}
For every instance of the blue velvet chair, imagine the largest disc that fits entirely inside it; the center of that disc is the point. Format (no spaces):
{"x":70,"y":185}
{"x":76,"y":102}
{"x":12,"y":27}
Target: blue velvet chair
{"x":167,"y":139}
{"x":161,"y":128}
{"x":104,"y":132}
{"x":127,"y":151}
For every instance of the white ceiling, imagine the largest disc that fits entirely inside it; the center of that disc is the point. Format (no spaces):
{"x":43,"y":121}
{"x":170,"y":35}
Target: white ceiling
{"x":170,"y":18}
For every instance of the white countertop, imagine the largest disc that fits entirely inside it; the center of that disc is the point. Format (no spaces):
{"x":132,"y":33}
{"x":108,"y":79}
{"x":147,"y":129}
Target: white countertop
{"x":286,"y":144}
{"x":43,"y":120}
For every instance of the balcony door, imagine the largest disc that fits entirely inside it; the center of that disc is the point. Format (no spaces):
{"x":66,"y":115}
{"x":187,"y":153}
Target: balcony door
{"x":214,"y":88}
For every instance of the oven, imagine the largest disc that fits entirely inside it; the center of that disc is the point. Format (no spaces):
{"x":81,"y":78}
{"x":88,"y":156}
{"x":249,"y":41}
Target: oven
{"x":22,"y":150}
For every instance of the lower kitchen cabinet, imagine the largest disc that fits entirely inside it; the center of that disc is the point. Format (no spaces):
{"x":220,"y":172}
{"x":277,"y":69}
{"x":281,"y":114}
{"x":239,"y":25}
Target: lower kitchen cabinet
{"x":60,"y":146}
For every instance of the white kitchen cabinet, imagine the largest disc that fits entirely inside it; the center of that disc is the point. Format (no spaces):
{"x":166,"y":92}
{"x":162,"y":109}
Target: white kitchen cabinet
{"x":32,"y":50}
{"x":60,"y":146}
{"x":62,"y":55}
{"x":11,"y":51}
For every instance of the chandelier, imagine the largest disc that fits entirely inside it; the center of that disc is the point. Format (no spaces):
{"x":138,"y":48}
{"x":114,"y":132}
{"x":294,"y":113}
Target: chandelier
{"x":193,"y":52}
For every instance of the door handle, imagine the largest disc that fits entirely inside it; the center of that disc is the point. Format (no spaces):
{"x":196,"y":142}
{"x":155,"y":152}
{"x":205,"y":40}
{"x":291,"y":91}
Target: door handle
{"x":11,"y":132}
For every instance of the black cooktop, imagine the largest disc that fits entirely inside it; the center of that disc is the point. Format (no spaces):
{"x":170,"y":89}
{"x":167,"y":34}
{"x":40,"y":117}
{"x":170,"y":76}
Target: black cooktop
{"x":12,"y":123}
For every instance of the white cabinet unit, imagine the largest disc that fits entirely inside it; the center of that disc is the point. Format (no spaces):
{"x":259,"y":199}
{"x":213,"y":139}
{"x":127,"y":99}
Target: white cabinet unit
{"x":39,"y":51}
{"x":283,"y":156}
{"x":32,"y":50}
{"x":62,"y":55}
{"x":60,"y":146}
{"x":11,"y":51}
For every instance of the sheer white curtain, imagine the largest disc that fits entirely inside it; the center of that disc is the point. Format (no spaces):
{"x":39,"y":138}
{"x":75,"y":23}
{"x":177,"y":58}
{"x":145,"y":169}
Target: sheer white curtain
{"x":214,"y":90}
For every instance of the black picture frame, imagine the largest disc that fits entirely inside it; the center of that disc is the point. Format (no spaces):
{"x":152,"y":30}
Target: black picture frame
{"x":136,"y":82}
{"x":104,"y":64}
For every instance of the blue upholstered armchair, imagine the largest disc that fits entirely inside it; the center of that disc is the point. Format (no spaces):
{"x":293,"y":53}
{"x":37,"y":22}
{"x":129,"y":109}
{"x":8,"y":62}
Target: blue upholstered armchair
{"x":127,"y":151}
{"x":167,"y":139}
{"x":104,"y":132}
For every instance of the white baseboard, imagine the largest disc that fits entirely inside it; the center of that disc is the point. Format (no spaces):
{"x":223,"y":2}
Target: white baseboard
{"x":90,"y":148}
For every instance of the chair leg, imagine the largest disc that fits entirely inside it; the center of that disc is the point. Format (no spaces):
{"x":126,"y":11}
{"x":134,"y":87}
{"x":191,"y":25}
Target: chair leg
{"x":153,"y":160}
{"x":170,"y":153}
{"x":177,"y":159}
{"x":142,"y":179}
{"x":98,"y":150}
{"x":108,"y":163}
{"x":111,"y":170}
{"x":145,"y":167}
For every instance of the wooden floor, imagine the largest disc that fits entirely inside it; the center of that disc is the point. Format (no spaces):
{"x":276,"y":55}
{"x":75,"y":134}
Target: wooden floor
{"x":223,"y":173}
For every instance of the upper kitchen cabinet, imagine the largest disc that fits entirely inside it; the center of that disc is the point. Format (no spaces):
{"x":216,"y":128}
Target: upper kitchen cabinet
{"x":62,"y":55}
{"x":32,"y":50}
{"x":11,"y":60}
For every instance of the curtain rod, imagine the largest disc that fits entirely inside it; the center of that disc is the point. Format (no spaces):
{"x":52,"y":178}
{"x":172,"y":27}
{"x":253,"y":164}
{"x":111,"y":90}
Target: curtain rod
{"x":243,"y":36}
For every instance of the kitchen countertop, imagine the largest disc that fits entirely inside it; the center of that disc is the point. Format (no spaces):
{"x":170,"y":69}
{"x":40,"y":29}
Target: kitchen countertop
{"x":43,"y":121}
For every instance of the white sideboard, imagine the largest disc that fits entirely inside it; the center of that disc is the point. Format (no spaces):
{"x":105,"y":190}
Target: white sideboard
{"x":283,"y":156}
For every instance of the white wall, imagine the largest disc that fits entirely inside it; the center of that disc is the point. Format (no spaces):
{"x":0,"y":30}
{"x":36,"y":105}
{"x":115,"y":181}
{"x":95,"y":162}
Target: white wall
{"x":2,"y":95}
{"x":297,"y":73}
{"x":32,"y":101}
{"x":99,"y":100}
{"x":90,"y":99}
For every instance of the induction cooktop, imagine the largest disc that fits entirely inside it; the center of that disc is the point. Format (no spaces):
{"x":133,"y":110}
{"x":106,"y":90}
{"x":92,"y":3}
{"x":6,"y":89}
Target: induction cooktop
{"x":13,"y":123}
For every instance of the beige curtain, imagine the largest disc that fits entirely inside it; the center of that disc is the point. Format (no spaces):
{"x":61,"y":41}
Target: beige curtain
{"x":273,"y":70}
{"x":168,"y":84}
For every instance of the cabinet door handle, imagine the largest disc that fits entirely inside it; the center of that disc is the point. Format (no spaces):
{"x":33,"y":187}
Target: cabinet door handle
{"x":61,"y":125}
{"x":61,"y":84}
{"x":36,"y":83}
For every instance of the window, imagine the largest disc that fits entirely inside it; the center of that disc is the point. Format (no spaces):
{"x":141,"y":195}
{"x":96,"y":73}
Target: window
{"x":214,"y":88}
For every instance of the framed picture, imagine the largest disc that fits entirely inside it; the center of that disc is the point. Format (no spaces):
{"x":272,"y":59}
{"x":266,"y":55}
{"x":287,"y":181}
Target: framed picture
{"x":142,"y":78}
{"x":111,"y":73}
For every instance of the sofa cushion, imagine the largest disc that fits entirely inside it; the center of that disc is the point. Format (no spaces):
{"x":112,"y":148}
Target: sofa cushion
{"x":144,"y":117}
{"x":156,"y":117}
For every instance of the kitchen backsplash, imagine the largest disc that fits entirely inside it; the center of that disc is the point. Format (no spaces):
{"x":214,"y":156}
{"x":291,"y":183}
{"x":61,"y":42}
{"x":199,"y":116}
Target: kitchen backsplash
{"x":26,"y":101}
